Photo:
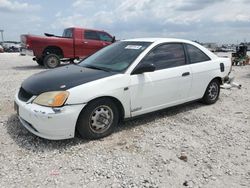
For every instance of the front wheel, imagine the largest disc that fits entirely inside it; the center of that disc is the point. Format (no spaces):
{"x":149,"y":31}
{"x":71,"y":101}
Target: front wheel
{"x":212,"y":92}
{"x":98,"y":119}
{"x":51,"y":61}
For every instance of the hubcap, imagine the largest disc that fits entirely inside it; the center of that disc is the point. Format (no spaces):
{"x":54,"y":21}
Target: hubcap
{"x":213,"y":91}
{"x":101,"y":119}
{"x":52,"y":62}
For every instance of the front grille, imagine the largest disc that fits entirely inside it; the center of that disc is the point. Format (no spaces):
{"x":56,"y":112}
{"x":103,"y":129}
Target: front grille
{"x":24,"y":95}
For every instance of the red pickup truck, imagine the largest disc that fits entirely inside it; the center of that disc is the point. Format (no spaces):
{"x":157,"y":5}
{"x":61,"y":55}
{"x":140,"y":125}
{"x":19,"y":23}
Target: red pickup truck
{"x":75,"y":43}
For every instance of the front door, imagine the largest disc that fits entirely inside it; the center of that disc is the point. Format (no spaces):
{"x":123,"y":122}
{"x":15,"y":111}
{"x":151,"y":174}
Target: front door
{"x":105,"y":38}
{"x":91,"y":42}
{"x":168,"y":85}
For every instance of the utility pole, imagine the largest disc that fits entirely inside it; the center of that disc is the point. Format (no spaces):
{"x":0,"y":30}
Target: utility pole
{"x":1,"y":31}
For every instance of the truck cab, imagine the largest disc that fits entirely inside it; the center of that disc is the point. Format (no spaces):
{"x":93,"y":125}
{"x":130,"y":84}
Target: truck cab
{"x":75,"y":43}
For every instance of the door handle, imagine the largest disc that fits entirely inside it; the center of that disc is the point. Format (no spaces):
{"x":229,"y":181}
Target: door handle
{"x":186,"y":74}
{"x":85,"y":42}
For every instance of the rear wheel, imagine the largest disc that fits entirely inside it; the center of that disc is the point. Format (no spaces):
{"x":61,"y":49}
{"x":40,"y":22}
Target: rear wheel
{"x":212,"y":92}
{"x":51,"y":61}
{"x":98,"y":119}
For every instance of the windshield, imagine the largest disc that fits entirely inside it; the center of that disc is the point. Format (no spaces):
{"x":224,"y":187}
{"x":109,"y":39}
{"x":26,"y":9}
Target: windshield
{"x":116,"y":57}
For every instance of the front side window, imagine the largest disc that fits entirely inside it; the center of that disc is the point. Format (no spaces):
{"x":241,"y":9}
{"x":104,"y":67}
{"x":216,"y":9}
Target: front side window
{"x":166,"y":56}
{"x":116,"y":57}
{"x":105,"y":37}
{"x":196,"y":55}
{"x":91,"y":35}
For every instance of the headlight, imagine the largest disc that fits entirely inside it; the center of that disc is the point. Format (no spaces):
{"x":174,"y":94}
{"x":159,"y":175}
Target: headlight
{"x":52,"y":99}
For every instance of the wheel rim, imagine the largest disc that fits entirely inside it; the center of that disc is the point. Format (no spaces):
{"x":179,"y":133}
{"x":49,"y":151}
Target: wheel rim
{"x":52,"y":62}
{"x":101,"y":119}
{"x":213,"y":91}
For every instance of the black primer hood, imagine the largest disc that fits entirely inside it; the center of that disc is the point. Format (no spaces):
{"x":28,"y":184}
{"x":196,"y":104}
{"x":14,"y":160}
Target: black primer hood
{"x":62,"y":78}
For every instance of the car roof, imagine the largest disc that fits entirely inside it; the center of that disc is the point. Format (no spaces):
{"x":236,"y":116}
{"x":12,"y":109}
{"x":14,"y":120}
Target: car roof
{"x":158,"y":40}
{"x":82,"y":28}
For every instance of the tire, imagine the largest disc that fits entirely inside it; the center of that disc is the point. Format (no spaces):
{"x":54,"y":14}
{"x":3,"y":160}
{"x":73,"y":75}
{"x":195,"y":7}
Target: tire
{"x":93,"y":122}
{"x":51,"y":61}
{"x":40,"y":62}
{"x":212,"y":92}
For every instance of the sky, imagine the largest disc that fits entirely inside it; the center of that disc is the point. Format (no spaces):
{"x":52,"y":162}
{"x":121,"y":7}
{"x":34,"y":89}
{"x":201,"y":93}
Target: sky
{"x":221,"y":21}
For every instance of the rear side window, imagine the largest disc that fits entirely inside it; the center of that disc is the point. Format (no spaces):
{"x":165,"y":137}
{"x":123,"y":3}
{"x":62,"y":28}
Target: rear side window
{"x":196,"y":55}
{"x":68,"y":33}
{"x":105,"y":37}
{"x":91,"y":35}
{"x":166,"y":56}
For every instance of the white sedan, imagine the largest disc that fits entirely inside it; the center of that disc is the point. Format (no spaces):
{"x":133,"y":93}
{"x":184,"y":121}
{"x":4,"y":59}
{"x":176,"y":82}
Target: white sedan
{"x":124,"y":80}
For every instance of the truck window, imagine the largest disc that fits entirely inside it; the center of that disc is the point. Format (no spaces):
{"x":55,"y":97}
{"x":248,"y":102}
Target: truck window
{"x":91,"y":35}
{"x":105,"y":37}
{"x":67,"y":33}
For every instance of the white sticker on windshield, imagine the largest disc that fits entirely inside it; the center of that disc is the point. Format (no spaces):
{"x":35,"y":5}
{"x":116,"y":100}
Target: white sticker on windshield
{"x":133,"y":47}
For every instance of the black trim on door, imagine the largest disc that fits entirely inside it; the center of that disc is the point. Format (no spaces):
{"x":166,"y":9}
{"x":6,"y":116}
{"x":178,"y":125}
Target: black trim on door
{"x":186,"y":53}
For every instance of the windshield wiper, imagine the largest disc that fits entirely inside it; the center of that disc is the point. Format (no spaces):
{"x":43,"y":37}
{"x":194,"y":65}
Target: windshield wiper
{"x":98,"y":68}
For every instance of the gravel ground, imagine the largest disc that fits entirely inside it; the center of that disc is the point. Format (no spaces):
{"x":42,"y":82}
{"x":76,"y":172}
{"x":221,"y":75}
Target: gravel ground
{"x":193,"y":145}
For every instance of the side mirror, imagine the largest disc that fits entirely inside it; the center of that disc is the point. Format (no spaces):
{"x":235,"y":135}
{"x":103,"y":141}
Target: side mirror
{"x":144,"y":68}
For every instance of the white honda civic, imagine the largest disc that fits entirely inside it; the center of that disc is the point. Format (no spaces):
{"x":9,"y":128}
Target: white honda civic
{"x":124,"y":80}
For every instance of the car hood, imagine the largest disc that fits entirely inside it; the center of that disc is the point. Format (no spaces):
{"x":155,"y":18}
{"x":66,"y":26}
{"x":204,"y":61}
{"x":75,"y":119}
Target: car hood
{"x":62,"y":78}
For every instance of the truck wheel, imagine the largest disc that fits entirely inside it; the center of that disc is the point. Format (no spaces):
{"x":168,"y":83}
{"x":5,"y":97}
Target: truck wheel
{"x":40,"y":61}
{"x":98,"y":119}
{"x":51,"y":61}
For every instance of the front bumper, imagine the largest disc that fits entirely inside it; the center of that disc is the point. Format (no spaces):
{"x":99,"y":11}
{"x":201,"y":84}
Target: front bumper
{"x":25,"y":51}
{"x":45,"y":122}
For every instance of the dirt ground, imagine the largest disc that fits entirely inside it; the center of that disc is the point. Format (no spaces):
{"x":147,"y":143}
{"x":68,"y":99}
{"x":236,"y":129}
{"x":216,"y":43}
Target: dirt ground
{"x":192,"y":145}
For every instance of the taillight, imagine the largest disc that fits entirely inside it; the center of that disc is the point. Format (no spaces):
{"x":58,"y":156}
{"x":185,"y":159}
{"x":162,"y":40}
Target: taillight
{"x":23,"y":39}
{"x":25,"y":43}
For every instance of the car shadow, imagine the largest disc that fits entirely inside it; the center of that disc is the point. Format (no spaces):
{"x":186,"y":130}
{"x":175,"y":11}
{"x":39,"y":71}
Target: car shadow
{"x":36,"y":67}
{"x":247,"y":75}
{"x":152,"y":116}
{"x":26,"y":140}
{"x":29,"y":67}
